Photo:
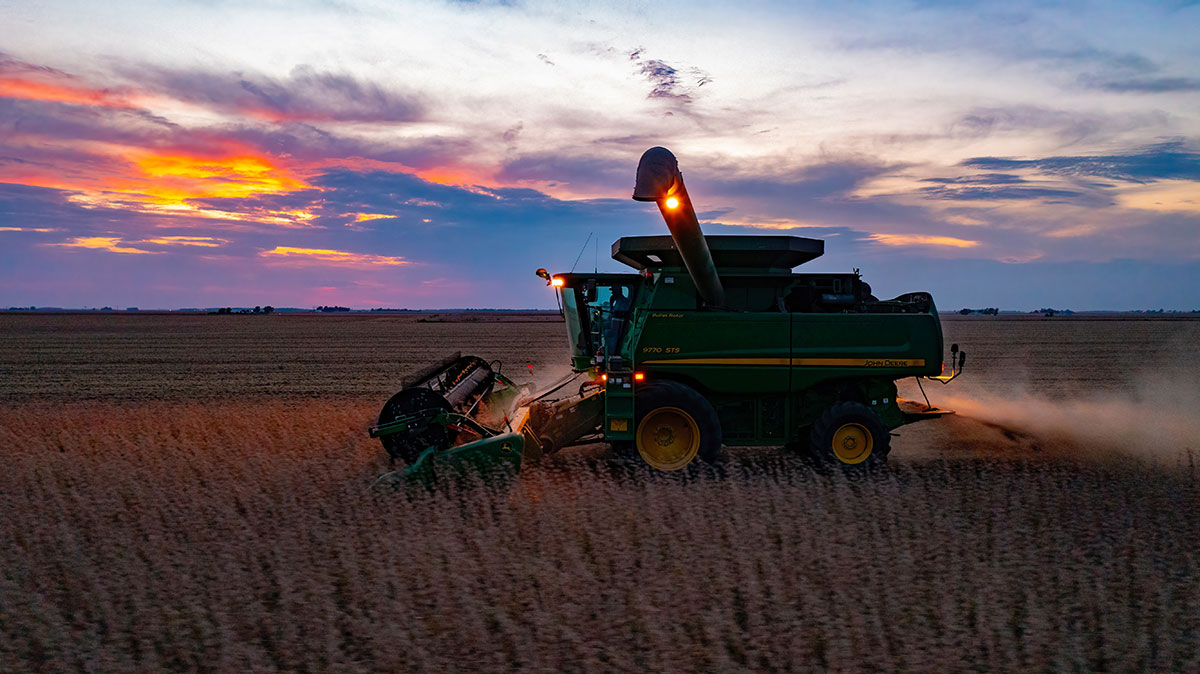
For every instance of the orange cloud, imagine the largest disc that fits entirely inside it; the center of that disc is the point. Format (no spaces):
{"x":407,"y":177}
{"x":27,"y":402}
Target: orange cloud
{"x":109,"y":243}
{"x":204,"y":241}
{"x":32,"y":90}
{"x":922,"y":240}
{"x":114,"y":244}
{"x":171,"y":184}
{"x":769,"y":223}
{"x":27,"y":229}
{"x":330,"y":257}
{"x":177,"y":178}
{"x":364,"y":217}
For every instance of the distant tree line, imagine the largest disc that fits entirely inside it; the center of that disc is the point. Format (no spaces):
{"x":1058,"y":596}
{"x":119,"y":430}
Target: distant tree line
{"x":256,"y":310}
{"x":990,"y":311}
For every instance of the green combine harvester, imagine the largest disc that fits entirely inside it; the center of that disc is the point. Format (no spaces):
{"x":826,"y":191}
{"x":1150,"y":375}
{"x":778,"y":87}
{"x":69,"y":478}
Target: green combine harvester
{"x":708,"y":341}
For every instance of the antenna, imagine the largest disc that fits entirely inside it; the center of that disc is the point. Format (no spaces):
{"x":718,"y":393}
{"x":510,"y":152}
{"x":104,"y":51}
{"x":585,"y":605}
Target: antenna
{"x":585,"y":243}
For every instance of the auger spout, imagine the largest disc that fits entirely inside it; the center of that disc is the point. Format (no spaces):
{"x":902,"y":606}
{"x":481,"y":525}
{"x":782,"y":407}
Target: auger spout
{"x":659,"y":180}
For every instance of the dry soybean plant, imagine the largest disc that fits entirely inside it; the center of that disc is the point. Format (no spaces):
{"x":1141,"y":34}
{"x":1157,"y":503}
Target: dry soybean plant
{"x":243,"y":538}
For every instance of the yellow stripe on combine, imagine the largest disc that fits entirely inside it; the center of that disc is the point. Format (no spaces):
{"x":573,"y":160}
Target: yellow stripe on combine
{"x":800,"y":362}
{"x":720,"y":361}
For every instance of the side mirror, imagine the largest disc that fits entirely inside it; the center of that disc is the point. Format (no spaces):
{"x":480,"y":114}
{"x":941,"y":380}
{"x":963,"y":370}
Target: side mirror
{"x":953,"y":349}
{"x":543,"y":274}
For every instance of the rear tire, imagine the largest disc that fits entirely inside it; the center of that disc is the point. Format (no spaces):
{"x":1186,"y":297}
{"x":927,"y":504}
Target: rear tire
{"x":850,"y":435}
{"x":674,"y":425}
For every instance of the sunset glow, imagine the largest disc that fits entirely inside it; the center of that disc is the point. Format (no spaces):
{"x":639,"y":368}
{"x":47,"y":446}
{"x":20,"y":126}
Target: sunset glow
{"x":178,"y":178}
{"x":1013,"y":142}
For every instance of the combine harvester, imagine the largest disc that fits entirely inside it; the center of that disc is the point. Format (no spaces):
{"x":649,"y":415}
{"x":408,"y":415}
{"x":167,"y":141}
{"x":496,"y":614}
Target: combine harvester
{"x":710,"y":341}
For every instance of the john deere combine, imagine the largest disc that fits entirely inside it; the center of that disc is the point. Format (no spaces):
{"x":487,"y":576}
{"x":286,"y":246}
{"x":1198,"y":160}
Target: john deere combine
{"x":708,"y":341}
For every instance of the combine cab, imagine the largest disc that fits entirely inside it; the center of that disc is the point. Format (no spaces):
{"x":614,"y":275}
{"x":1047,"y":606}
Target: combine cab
{"x":708,"y":341}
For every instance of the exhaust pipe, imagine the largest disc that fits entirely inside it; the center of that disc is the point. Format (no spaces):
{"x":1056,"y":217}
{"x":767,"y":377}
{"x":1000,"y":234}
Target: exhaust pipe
{"x":659,"y":180}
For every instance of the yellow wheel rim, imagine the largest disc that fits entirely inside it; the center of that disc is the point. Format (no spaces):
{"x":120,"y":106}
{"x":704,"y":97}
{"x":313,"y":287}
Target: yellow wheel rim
{"x":668,"y":438}
{"x":852,"y":443}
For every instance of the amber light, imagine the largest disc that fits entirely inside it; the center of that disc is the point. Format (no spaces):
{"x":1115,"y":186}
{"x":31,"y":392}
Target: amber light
{"x":639,"y":376}
{"x":557,"y":282}
{"x":672,"y":202}
{"x":603,"y":377}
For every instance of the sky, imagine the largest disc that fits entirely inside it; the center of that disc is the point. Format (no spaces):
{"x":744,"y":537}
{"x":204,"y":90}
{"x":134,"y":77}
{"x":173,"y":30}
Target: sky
{"x":399,"y":154}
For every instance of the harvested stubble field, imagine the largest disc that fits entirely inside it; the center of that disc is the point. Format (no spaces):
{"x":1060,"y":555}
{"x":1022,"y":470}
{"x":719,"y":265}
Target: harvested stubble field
{"x":189,"y":494}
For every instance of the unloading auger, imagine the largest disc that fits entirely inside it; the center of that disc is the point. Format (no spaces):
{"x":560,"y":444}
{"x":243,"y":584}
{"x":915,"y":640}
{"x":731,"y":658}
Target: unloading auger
{"x":711,"y":341}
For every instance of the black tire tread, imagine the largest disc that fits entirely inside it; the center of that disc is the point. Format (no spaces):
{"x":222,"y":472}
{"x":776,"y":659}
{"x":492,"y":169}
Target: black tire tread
{"x":667,"y":393}
{"x":821,"y":435}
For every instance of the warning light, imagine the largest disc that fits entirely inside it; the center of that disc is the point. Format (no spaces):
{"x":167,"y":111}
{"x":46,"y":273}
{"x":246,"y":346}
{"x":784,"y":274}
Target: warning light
{"x":557,"y":282}
{"x":639,"y":376}
{"x":672,"y":202}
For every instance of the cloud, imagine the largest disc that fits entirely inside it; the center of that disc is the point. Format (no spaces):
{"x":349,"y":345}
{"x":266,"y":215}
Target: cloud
{"x":667,"y":81}
{"x":306,"y":94}
{"x":33,"y":90}
{"x":1125,"y":61}
{"x":176,"y":178}
{"x":109,"y":243}
{"x":202,"y":241}
{"x":981,"y":179}
{"x":116,"y":244}
{"x":1070,"y":125}
{"x":567,"y":168}
{"x":337,"y":258}
{"x":367,"y":217}
{"x":326,"y":147}
{"x":828,"y":178}
{"x":1165,"y":160}
{"x":56,"y":122}
{"x":1141,"y":85}
{"x":922,"y":240}
{"x":987,"y":193}
{"x":1012,"y":187}
{"x":22,"y":80}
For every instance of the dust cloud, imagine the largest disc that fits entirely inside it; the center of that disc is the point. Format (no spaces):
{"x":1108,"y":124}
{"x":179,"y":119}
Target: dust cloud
{"x":1156,"y":419}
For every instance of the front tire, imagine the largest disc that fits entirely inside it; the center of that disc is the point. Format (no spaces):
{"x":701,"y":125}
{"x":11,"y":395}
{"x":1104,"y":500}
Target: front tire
{"x":674,"y":425}
{"x":850,"y":435}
